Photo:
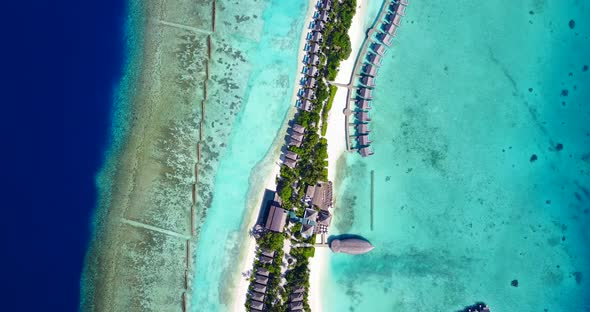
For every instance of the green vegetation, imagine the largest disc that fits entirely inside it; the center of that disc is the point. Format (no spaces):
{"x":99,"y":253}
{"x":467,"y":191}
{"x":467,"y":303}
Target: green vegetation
{"x":337,"y":45}
{"x":327,"y":109}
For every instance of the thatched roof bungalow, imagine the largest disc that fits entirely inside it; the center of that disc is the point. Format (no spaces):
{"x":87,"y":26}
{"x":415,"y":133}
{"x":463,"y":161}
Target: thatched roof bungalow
{"x":298,"y":128}
{"x":262,"y":280}
{"x":316,"y":36}
{"x":397,"y":20}
{"x":308,"y":94}
{"x":291,"y":155}
{"x":259,"y":288}
{"x":313,"y":48}
{"x":390,"y":29}
{"x":265,"y":259}
{"x":255,"y":305}
{"x":362,"y":129}
{"x":311,"y":71}
{"x":378,"y":48}
{"x":312,"y":59}
{"x":290,"y":163}
{"x":295,"y":305}
{"x":262,"y":271}
{"x":257,"y":296}
{"x":310,"y":82}
{"x":276,"y":219}
{"x":370,"y":69}
{"x":304,"y":105}
{"x":374,"y":59}
{"x":365,"y":151}
{"x":385,"y":38}
{"x":296,"y":297}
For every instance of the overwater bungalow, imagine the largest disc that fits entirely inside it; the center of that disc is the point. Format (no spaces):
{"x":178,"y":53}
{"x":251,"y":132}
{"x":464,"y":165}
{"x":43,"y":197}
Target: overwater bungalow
{"x":385,"y":38}
{"x":312,"y":59}
{"x":404,"y":2}
{"x":313,"y":48}
{"x":378,"y":48}
{"x":262,"y":271}
{"x":256,"y":305}
{"x":316,"y":36}
{"x":304,"y":105}
{"x":296,"y":297}
{"x":370,"y":70}
{"x":310,"y":82}
{"x":363,"y":140}
{"x":363,"y":117}
{"x":294,"y":142}
{"x":318,"y":26}
{"x":365,"y":151}
{"x":307,"y":93}
{"x":389,"y":17}
{"x":295,"y":305}
{"x":390,"y":29}
{"x":298,"y":128}
{"x":373,"y":58}
{"x":368,"y":81}
{"x":397,"y":20}
{"x":401,"y":10}
{"x":257,"y":296}
{"x":265,"y":260}
{"x":364,"y":93}
{"x":362,"y":129}
{"x":276,"y":219}
{"x":261,"y":280}
{"x":363,"y":104}
{"x":290,"y":163}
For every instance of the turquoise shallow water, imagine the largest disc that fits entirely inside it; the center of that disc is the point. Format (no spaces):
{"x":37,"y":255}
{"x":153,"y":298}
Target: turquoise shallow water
{"x":272,"y":57}
{"x":459,"y":209}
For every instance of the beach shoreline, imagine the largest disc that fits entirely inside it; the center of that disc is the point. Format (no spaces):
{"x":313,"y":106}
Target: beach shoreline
{"x":256,"y":193}
{"x":318,"y":265}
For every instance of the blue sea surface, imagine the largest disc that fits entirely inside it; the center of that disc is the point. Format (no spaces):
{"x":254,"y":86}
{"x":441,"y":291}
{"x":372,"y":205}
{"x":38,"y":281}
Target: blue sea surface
{"x":481,"y":172}
{"x":61,"y":61}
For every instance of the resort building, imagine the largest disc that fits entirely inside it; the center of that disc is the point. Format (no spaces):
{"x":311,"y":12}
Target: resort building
{"x":262,"y":271}
{"x":307,"y":93}
{"x":389,"y":17}
{"x":397,"y":20}
{"x":311,"y":71}
{"x":304,"y":105}
{"x":310,"y":82}
{"x":291,"y":155}
{"x":390,"y":29}
{"x":298,"y":289}
{"x":364,"y":93}
{"x":374,"y":59}
{"x":368,"y":81}
{"x":313,"y":48}
{"x":297,"y":136}
{"x":308,"y":223}
{"x":290,"y":163}
{"x":257,"y":296}
{"x":296,"y":297}
{"x":319,"y":26}
{"x":404,"y":2}
{"x":323,"y":222}
{"x":294,"y":306}
{"x":312,"y":59}
{"x":268,"y":253}
{"x":378,"y":48}
{"x":363,"y":117}
{"x":315,"y":36}
{"x":261,"y":280}
{"x":365,"y":151}
{"x":325,"y":5}
{"x":320,"y":195}
{"x":259,"y":288}
{"x":294,"y":142}
{"x":255,"y":305}
{"x":370,"y":70}
{"x":276,"y":219}
{"x":362,"y":129}
{"x":298,"y":128}
{"x":265,"y":260}
{"x":363,"y":104}
{"x":363,"y":140}
{"x":323,"y":16}
{"x":400,"y":10}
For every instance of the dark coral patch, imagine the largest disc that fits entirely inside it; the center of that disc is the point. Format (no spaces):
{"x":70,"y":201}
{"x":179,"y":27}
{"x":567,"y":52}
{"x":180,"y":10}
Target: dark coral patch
{"x":533,"y":158}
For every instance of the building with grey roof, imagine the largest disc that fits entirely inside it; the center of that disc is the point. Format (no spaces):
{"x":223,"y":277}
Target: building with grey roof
{"x":276,"y":219}
{"x":368,"y":81}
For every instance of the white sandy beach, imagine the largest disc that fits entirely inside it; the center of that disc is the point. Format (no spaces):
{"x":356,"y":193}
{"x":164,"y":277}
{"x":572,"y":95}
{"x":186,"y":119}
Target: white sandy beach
{"x":336,"y":146}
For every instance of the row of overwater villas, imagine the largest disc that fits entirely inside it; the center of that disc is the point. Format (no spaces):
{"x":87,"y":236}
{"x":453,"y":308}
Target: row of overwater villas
{"x":312,"y":58}
{"x":368,"y":73}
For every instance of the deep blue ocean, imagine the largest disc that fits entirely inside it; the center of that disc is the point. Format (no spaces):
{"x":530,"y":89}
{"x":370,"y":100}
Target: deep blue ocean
{"x":61,"y":62}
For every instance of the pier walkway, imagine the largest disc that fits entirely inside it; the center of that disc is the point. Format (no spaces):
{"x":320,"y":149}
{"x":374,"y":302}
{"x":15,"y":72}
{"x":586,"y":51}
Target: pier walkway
{"x":361,"y":56}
